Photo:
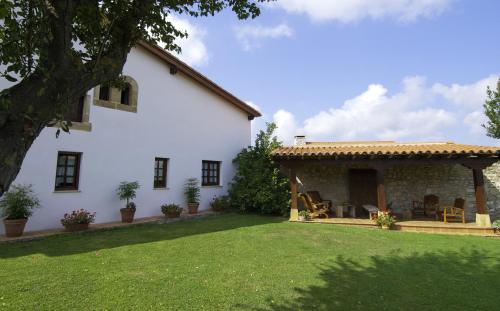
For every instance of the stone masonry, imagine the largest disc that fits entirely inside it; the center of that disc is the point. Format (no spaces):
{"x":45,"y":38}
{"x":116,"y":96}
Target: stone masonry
{"x":405,"y":183}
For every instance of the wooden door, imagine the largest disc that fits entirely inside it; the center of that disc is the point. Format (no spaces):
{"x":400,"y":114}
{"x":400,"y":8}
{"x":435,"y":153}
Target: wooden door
{"x":362,"y":189}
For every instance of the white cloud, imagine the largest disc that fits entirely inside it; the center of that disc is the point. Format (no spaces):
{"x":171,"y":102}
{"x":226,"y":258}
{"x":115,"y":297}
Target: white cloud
{"x":347,"y":11}
{"x":469,"y":95}
{"x":474,"y":121}
{"x":418,"y":112}
{"x":250,"y":36}
{"x":286,"y":125}
{"x":194,"y":51}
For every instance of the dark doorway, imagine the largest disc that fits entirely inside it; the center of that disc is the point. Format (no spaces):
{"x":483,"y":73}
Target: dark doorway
{"x":362,"y":189}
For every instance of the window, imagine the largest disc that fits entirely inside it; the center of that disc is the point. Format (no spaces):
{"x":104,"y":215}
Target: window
{"x":104,"y":92}
{"x":75,"y":114}
{"x":210,"y":173}
{"x":67,"y":173}
{"x":120,"y":98}
{"x":125,"y":97}
{"x":160,"y":180}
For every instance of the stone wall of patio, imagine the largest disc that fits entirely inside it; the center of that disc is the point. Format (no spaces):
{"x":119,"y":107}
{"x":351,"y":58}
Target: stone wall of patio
{"x":406,"y":183}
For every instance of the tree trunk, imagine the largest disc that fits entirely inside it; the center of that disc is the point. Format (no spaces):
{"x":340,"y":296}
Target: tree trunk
{"x":34,"y":103}
{"x":60,"y":79}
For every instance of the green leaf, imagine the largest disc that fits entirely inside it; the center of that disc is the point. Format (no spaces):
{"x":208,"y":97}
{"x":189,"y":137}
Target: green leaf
{"x":10,"y":78}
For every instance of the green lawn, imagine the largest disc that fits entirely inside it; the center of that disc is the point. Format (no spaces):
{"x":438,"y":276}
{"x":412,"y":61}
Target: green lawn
{"x":236,"y":262}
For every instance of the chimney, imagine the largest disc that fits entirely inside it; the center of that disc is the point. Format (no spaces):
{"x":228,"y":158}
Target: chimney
{"x":300,"y":140}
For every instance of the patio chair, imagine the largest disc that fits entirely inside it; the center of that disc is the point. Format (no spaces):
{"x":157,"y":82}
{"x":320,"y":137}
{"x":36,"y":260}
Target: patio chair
{"x":431,"y":205}
{"x":456,"y":211}
{"x":428,"y":207}
{"x":316,"y":198}
{"x":315,"y":209}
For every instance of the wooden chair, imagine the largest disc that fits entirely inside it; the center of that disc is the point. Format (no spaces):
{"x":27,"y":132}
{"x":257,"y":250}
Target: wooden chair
{"x":316,"y":198}
{"x":430,"y":206}
{"x":315,"y":209}
{"x":456,"y":211}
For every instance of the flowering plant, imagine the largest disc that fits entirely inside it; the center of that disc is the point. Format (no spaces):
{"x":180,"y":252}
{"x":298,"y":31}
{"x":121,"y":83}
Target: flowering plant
{"x":78,"y":217}
{"x":171,"y":208}
{"x":304,"y":213}
{"x":385,"y":219}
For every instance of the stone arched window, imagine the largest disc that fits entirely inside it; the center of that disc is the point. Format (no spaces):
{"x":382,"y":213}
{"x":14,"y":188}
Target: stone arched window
{"x":124,"y":99}
{"x":78,"y":114}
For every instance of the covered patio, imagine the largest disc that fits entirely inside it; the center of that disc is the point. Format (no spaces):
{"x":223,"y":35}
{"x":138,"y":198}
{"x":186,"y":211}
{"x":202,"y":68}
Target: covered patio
{"x":397,"y":178}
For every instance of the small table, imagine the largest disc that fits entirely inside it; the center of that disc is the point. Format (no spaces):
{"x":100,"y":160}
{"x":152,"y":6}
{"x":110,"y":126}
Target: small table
{"x":339,"y":210}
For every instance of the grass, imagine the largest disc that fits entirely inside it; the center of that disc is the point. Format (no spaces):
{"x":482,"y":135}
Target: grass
{"x":236,"y":262}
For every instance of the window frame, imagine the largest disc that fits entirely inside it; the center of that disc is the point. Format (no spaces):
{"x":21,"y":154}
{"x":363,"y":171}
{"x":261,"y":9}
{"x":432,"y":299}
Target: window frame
{"x":107,"y":88}
{"x":206,"y":182}
{"x":157,"y":169}
{"x":125,"y":95}
{"x":128,"y":102}
{"x":76,"y":174}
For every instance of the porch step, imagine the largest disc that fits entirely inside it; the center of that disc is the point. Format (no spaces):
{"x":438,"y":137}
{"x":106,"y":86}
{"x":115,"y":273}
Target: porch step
{"x":415,"y":226}
{"x":448,"y":228}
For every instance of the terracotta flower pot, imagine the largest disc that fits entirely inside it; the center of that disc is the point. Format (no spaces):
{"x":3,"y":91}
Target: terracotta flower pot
{"x":127,"y":214}
{"x":76,"y":227}
{"x":302,"y":218}
{"x":173,"y":214}
{"x":385,"y":227}
{"x":193,"y":208}
{"x":14,"y":227}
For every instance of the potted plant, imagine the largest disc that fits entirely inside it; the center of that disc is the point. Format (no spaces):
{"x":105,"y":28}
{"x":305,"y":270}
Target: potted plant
{"x":171,"y":210}
{"x":220,"y":204}
{"x":496,"y":226}
{"x":16,"y":207}
{"x":127,"y":191}
{"x":78,"y":220}
{"x":385,"y":221}
{"x":192,"y":193}
{"x":303,"y":215}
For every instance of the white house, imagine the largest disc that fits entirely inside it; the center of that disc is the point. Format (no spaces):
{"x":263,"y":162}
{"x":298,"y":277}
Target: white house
{"x":171,"y":123}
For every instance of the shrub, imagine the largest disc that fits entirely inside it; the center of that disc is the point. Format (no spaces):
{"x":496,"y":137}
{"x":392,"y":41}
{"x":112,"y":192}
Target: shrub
{"x":127,"y":191}
{"x":192,"y":191}
{"x":19,"y":202}
{"x":496,"y":224}
{"x":259,"y":185}
{"x":304,"y":213}
{"x":220,"y":204}
{"x":171,"y":209}
{"x":385,"y":220}
{"x":78,"y":217}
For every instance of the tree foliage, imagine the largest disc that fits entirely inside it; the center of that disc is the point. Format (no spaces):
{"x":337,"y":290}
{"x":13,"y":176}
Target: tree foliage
{"x":259,"y":186}
{"x":492,"y":111}
{"x":54,"y":51}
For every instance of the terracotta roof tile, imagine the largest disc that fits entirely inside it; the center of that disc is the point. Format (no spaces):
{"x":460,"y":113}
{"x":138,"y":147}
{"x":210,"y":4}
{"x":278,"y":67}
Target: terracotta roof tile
{"x":383,"y":148}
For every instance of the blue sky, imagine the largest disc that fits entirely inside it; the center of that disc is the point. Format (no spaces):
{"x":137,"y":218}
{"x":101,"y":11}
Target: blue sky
{"x":409,"y":70}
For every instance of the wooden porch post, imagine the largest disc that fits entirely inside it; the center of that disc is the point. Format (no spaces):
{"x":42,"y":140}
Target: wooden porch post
{"x":477,"y":166}
{"x":382,"y":205}
{"x":479,"y":191}
{"x":294,"y":212}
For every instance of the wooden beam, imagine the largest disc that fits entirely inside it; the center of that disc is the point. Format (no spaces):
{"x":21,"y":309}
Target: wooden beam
{"x":381,"y":202}
{"x":294,"y":212}
{"x":479,"y":191}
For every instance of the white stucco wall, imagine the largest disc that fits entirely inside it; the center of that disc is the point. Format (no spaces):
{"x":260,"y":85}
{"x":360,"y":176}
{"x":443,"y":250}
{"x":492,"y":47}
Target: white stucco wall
{"x":176,"y":118}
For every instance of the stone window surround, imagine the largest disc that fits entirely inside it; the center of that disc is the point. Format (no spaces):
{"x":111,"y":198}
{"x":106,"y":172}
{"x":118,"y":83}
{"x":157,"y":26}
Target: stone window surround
{"x":85,"y":125}
{"x":115,"y":97}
